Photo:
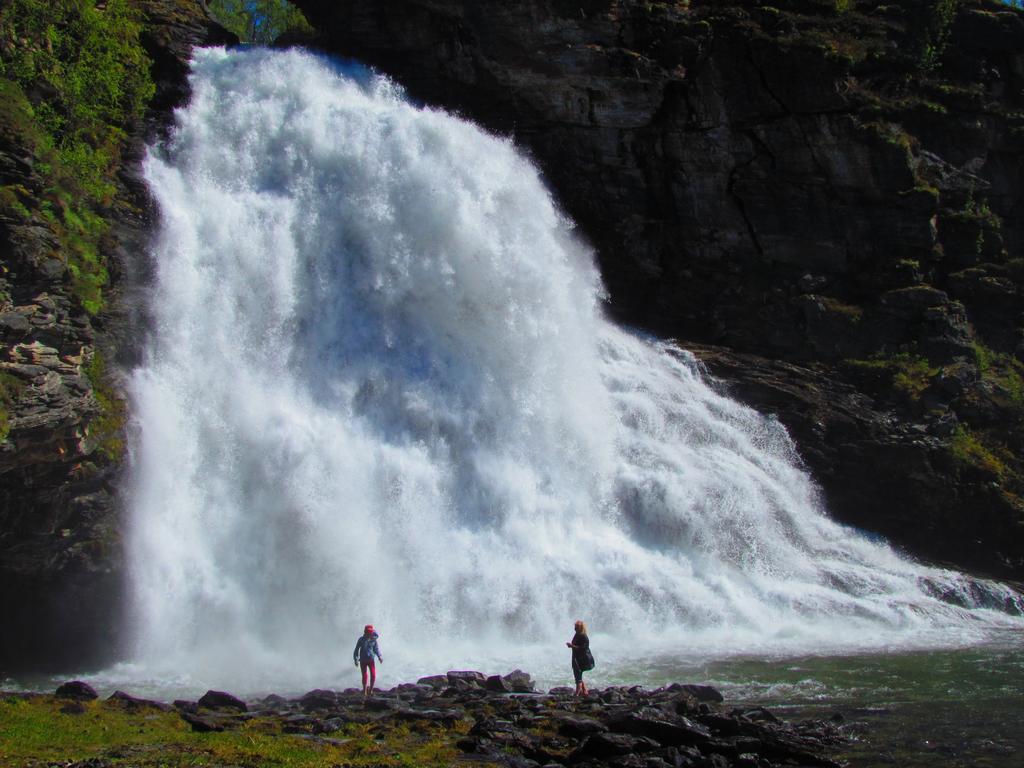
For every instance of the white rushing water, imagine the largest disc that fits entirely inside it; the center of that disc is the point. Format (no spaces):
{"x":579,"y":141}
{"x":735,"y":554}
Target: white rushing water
{"x":380,"y":389}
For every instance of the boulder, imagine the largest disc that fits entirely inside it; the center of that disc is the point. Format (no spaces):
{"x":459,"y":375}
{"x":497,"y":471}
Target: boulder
{"x":702,"y":693}
{"x":301,"y":724}
{"x":719,"y":724}
{"x":463,"y":685}
{"x":201,"y":724}
{"x":446,"y":717}
{"x":414,"y":690}
{"x":77,"y":690}
{"x":318,"y":699}
{"x":381,"y":704}
{"x":222,"y":700}
{"x":497,"y":684}
{"x":681,"y":732}
{"x":133,"y":704}
{"x":437,"y":682}
{"x":477,"y":678}
{"x":579,"y":727}
{"x":519,"y":681}
{"x":602,"y":746}
{"x":274,"y":701}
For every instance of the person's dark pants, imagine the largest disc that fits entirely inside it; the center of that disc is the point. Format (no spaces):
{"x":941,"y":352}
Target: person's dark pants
{"x":576,"y":671}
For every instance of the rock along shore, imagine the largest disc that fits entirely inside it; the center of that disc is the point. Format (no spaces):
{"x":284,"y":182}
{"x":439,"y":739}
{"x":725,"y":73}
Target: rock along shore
{"x":503,"y":720}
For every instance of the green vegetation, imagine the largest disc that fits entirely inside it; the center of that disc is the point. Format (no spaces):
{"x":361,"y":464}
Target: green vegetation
{"x":937,"y":30}
{"x":983,"y":357}
{"x":851,"y":312}
{"x":1003,"y":371}
{"x":892,"y":134}
{"x":842,"y":6}
{"x":10,"y":390}
{"x":907,"y":372}
{"x":35,"y":731}
{"x":969,"y":448}
{"x":74,"y":76}
{"x":106,"y":431}
{"x":922,"y":188}
{"x":978,"y":213}
{"x":259,"y":21}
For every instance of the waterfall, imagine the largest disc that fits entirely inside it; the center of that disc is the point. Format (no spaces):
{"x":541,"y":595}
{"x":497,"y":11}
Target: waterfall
{"x":379,"y":388}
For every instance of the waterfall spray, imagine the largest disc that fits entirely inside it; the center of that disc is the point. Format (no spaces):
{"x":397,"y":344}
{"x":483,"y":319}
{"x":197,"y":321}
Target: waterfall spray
{"x":380,"y":388}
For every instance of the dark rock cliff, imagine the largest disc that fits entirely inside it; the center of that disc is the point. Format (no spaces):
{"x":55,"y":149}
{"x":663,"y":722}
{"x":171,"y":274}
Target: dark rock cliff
{"x":826,"y":192}
{"x":61,"y":567}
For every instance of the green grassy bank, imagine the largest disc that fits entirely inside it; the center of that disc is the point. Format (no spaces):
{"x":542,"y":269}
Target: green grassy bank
{"x":43,"y":730}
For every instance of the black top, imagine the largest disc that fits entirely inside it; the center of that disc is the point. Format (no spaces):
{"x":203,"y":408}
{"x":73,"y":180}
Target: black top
{"x":580,"y":645}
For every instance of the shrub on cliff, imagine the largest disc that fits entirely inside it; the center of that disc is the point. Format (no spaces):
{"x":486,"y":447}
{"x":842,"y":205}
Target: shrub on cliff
{"x":77,"y":76}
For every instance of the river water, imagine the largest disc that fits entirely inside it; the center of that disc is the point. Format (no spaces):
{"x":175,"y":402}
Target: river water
{"x":952,"y":708}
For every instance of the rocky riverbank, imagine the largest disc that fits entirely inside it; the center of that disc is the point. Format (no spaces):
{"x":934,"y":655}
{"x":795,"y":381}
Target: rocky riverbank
{"x":462,"y":717}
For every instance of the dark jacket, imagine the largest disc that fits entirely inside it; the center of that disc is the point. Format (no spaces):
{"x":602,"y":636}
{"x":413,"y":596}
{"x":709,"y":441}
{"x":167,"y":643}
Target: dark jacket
{"x":367,"y":648}
{"x":580,"y":647}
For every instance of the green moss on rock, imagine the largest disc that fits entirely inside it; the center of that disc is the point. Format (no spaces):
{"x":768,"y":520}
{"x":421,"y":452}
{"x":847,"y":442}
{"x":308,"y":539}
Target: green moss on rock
{"x":972,"y":449}
{"x":11,"y":388}
{"x":106,"y":431}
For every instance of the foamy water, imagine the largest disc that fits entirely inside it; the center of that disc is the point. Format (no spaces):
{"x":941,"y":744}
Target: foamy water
{"x":380,"y":388}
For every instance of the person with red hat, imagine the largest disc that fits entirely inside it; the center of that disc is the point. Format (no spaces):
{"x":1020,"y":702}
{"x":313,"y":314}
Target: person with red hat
{"x":366,"y":648}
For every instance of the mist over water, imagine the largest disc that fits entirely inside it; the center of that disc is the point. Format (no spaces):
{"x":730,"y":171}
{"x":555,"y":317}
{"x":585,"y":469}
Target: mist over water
{"x":380,"y":388}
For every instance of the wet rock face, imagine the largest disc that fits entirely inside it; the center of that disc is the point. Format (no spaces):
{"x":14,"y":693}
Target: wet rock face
{"x":60,"y":552}
{"x":790,"y":182}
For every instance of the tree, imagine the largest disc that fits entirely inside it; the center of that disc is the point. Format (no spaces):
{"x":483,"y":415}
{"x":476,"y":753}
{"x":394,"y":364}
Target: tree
{"x":258,"y":21}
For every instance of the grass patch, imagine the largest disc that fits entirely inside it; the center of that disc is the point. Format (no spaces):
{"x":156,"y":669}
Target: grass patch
{"x":35,"y":731}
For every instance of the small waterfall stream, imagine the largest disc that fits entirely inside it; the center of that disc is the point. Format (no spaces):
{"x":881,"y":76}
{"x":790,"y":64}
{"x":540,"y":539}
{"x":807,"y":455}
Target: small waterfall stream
{"x":380,"y":388}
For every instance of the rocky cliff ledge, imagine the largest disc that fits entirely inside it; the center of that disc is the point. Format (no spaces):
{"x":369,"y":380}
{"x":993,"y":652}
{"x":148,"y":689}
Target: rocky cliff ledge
{"x":826,"y":191}
{"x":68,"y":261}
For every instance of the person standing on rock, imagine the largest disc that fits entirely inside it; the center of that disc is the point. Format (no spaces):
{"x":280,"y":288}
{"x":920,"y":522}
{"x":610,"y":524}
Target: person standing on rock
{"x":366,"y":649}
{"x":582,"y":659}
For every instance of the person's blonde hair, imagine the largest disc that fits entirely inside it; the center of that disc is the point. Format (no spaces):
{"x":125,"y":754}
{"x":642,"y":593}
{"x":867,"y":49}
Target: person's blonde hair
{"x":581,"y":626}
